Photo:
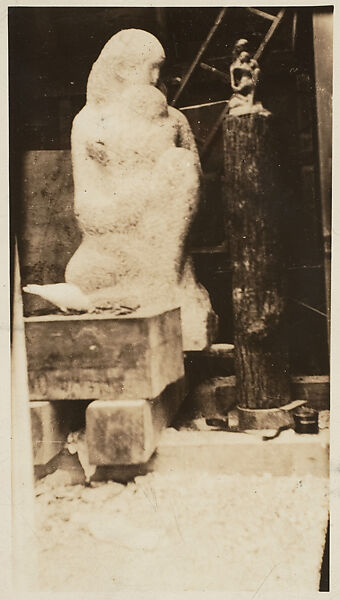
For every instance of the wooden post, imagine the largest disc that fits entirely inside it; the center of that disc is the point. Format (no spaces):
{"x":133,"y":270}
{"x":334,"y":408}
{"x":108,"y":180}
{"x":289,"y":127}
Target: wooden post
{"x":323,"y":47}
{"x":24,"y":554}
{"x":253,"y":220}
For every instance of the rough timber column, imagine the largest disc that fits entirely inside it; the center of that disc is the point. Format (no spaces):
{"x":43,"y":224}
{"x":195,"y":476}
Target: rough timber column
{"x":253,"y":221}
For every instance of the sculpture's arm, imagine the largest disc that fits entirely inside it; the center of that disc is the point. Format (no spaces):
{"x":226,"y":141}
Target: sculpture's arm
{"x":185,"y":137}
{"x":232,"y":79}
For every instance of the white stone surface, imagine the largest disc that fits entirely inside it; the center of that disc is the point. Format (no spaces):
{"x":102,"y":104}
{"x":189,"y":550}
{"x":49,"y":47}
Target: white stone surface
{"x":136,"y":175}
{"x":207,"y":532}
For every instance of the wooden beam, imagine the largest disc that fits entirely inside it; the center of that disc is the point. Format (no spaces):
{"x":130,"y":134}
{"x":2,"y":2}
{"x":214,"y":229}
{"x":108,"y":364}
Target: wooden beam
{"x":269,"y":33}
{"x":214,"y":129}
{"x":253,"y":226}
{"x":261,"y":13}
{"x":162,"y":23}
{"x":23,"y":528}
{"x":323,"y":47}
{"x":202,"y":105}
{"x":294,"y":26}
{"x":198,"y":55}
{"x":214,"y":71}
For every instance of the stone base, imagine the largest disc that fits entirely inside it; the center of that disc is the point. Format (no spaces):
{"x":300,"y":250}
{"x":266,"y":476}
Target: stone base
{"x":126,"y":432}
{"x":241,"y":453}
{"x":49,"y":431}
{"x":267,"y":418}
{"x":87,"y":357}
{"x":216,"y":452}
{"x":131,"y":367}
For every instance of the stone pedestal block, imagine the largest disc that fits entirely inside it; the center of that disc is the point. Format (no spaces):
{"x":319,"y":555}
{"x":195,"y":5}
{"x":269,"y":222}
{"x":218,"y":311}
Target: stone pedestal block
{"x":123,"y":432}
{"x":131,"y":366}
{"x":48,"y":431}
{"x":86,"y":357}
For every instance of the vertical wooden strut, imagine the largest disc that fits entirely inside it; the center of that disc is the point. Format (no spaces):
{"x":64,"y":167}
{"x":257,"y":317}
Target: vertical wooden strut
{"x":323,"y":42}
{"x":24,"y":554}
{"x":253,"y":222}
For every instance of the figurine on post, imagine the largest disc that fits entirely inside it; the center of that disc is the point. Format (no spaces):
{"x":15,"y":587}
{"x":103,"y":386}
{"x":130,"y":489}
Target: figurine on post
{"x":244,"y":77}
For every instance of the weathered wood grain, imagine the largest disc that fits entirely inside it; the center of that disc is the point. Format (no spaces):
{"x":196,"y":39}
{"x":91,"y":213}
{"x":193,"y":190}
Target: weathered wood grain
{"x":253,"y":218}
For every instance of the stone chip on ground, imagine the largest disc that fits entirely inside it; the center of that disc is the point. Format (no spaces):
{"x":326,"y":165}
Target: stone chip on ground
{"x":198,"y":532}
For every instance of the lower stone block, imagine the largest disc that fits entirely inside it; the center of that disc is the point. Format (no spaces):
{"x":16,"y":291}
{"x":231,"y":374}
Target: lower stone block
{"x":126,"y":432}
{"x":48,"y":431}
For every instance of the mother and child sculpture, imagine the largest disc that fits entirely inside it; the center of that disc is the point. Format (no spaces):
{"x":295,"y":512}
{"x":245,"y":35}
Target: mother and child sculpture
{"x":136,"y":174}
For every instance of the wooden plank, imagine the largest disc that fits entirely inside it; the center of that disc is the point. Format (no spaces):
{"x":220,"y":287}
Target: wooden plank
{"x":214,"y":71}
{"x":49,"y":234}
{"x":202,"y":105}
{"x":323,"y":50}
{"x":269,"y":33}
{"x":25,"y":566}
{"x":214,"y":129}
{"x":294,"y":28}
{"x":261,"y":13}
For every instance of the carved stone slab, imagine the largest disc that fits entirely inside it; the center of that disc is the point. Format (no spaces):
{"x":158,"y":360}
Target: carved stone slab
{"x":86,"y":357}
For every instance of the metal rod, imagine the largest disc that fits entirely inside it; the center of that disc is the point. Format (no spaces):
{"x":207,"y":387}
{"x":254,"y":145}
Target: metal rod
{"x":269,"y":34}
{"x":198,"y":55}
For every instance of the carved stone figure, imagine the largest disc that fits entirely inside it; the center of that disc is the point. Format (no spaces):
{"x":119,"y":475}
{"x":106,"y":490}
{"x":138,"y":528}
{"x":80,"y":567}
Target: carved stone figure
{"x":244,"y":77}
{"x":136,"y":178}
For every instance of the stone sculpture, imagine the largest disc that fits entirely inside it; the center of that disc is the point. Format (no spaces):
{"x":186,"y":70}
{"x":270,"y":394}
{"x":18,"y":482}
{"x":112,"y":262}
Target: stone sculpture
{"x":244,"y":77}
{"x":136,"y":179}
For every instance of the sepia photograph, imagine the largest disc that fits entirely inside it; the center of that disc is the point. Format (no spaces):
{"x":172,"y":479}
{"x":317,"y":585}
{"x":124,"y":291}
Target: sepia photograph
{"x":170,"y":185}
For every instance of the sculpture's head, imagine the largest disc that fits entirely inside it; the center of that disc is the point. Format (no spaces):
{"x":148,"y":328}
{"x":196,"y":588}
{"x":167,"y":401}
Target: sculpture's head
{"x":240,"y":46}
{"x":244,"y":57}
{"x":131,"y":57}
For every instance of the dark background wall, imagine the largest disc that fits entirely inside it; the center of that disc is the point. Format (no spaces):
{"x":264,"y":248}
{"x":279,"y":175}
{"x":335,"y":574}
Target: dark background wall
{"x":51,"y":51}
